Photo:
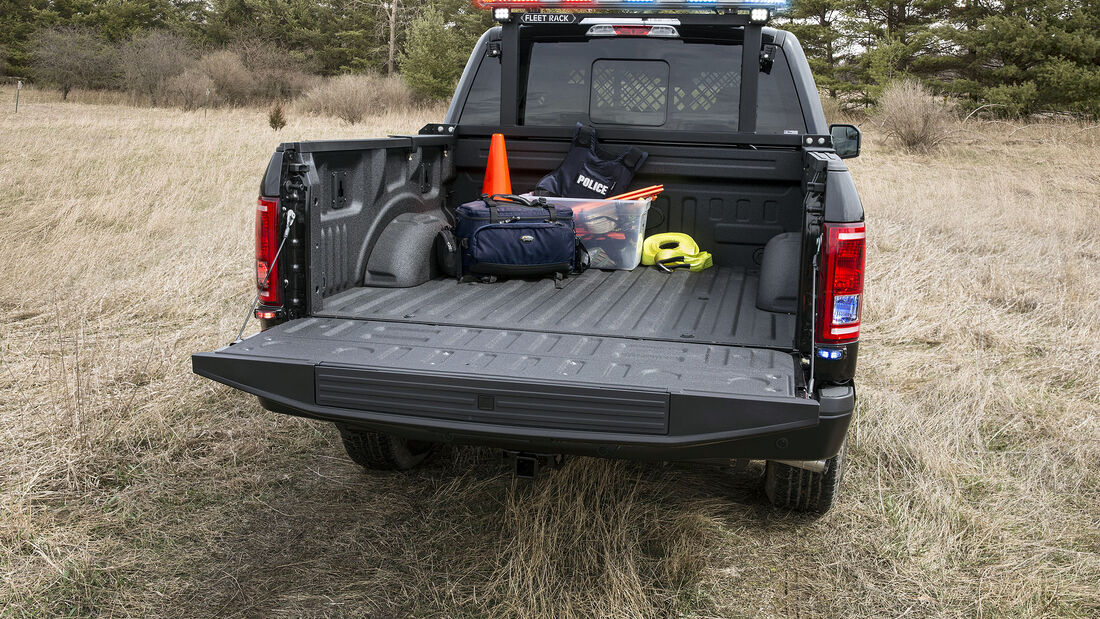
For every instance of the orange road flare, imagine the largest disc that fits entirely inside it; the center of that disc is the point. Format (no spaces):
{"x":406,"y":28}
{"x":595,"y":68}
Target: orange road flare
{"x":640,"y":194}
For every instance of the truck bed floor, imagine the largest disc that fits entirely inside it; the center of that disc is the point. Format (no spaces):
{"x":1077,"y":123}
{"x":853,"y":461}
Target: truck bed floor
{"x":716,"y":306}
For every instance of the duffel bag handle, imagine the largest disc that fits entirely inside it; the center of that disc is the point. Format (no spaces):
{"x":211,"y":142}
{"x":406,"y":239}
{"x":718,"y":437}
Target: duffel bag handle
{"x":495,"y":200}
{"x":507,"y":198}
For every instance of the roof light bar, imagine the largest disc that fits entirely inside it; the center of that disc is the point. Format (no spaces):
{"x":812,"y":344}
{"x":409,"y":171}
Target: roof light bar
{"x":768,"y":5}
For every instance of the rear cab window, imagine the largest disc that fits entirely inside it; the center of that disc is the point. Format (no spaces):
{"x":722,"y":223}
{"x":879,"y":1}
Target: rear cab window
{"x":675,"y":84}
{"x":482,"y":105}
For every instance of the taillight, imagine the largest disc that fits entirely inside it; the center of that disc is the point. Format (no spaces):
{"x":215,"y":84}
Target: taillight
{"x":841,"y":301}
{"x":267,"y":270}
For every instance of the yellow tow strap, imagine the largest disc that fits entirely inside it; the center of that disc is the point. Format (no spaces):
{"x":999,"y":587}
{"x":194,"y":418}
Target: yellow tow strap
{"x":675,"y":248}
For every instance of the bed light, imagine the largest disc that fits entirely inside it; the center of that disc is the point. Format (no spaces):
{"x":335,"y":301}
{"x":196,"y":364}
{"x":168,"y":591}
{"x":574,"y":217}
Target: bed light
{"x":632,"y":30}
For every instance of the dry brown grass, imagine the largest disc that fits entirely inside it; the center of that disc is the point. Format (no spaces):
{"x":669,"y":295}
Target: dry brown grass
{"x":39,"y":94}
{"x":130,"y":487}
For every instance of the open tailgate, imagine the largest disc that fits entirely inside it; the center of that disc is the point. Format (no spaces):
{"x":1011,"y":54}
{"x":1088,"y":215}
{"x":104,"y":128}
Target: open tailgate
{"x":465,"y":383}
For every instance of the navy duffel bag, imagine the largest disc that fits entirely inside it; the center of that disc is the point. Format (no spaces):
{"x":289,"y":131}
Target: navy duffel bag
{"x":514,"y":236}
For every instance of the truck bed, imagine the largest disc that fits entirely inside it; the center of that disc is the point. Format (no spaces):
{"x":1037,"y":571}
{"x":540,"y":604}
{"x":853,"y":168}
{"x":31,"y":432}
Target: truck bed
{"x":716,"y":306}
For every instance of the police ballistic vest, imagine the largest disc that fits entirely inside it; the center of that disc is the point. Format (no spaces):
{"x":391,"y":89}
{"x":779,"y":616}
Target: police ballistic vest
{"x":588,"y":171}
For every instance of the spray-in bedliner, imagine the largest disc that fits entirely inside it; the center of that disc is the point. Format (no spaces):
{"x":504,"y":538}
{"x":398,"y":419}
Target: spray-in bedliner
{"x":716,"y":306}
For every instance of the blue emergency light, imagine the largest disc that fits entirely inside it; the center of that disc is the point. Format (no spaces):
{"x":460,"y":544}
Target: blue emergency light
{"x":830,"y":354}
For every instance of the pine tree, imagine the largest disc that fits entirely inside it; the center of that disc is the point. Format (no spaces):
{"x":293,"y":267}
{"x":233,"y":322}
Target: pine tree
{"x":818,"y":26}
{"x":439,"y":43}
{"x":276,"y":118}
{"x":896,"y":40}
{"x":1029,"y":56}
{"x":21,"y":18}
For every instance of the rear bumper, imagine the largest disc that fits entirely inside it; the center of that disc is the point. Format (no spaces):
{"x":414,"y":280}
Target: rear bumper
{"x":749,"y":428}
{"x":816,"y":442}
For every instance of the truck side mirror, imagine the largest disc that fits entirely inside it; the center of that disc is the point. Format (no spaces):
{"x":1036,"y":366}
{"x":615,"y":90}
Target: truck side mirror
{"x":846,"y":140}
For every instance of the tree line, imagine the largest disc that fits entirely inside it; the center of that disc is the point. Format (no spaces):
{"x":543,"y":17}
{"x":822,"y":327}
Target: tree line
{"x":329,"y":37}
{"x":1013,"y":56}
{"x":101,"y":43}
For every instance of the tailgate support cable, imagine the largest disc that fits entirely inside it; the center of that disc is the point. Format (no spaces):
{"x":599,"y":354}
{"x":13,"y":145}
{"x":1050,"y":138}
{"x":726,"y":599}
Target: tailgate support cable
{"x":256,"y":301}
{"x":813,"y":318}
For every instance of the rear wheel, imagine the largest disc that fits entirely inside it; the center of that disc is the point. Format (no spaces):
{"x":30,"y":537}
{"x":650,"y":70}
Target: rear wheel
{"x":802,"y":490}
{"x":382,"y":452}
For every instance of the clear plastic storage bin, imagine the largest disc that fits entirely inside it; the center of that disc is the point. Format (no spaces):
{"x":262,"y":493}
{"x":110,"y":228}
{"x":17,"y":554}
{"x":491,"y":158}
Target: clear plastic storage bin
{"x":611,"y":230}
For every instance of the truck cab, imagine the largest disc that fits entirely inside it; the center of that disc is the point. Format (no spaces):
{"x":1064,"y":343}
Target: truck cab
{"x":752,"y":359}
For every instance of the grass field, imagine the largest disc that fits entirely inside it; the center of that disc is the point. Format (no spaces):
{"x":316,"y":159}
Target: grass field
{"x":130,"y":487}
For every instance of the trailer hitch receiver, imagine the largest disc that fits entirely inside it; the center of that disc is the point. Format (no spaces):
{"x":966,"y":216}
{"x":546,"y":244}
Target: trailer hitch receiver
{"x":530,"y":465}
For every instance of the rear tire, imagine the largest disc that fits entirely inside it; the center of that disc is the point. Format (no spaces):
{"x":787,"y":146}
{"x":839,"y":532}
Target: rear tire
{"x":801,"y":490}
{"x":382,"y":452}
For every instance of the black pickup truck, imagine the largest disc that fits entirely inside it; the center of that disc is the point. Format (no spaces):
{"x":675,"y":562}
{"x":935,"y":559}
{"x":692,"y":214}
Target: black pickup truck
{"x":752,"y":359}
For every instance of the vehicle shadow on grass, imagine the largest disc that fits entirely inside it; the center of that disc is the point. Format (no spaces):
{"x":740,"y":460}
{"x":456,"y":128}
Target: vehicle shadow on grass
{"x":460,"y":536}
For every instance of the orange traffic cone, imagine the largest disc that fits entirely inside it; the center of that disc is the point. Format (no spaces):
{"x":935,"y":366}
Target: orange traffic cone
{"x":497,"y":179}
